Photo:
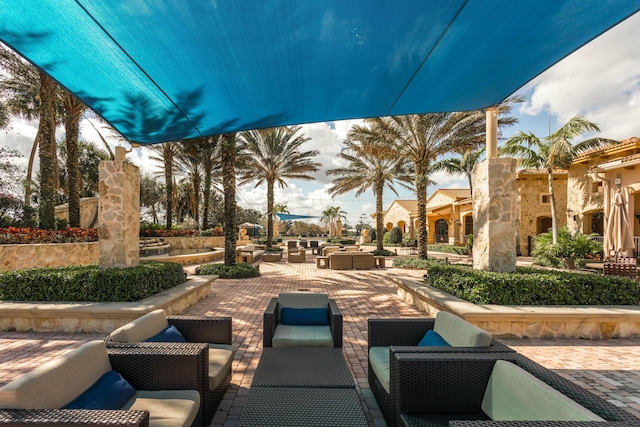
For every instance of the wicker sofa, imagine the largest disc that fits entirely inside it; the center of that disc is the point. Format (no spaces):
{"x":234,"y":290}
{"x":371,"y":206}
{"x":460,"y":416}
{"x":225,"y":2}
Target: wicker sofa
{"x":492,"y":389}
{"x":215,"y":332}
{"x":387,"y":337}
{"x":280,"y":333}
{"x":164,"y":383}
{"x":297,"y":255}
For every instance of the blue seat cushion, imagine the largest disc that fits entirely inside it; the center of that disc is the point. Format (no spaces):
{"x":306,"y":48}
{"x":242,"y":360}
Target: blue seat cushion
{"x":304,"y":316}
{"x":111,"y":391}
{"x":171,"y":334}
{"x":433,"y":339}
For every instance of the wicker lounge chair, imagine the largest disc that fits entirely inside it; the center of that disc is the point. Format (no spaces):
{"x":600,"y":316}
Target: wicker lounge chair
{"x":294,"y":334}
{"x":389,"y":336}
{"x":165,"y":381}
{"x":216,"y":332}
{"x":297,"y":255}
{"x":433,"y":389}
{"x":340,"y":261}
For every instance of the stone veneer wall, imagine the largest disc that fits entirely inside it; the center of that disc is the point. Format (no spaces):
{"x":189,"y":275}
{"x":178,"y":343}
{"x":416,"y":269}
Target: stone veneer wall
{"x":495,"y":215}
{"x":194,"y":242}
{"x":16,"y":257}
{"x":119,"y":214}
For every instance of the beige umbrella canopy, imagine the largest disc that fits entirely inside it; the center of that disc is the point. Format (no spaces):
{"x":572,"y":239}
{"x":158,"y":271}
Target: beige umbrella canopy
{"x":618,"y":234}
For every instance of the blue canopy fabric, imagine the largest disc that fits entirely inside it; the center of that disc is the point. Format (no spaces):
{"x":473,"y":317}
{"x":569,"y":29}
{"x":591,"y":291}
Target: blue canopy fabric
{"x":166,"y":70}
{"x":291,"y":217}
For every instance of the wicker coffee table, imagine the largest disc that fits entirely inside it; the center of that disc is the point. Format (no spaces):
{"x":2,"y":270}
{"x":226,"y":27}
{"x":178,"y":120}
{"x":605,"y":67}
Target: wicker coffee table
{"x":302,"y":367}
{"x":302,"y":387}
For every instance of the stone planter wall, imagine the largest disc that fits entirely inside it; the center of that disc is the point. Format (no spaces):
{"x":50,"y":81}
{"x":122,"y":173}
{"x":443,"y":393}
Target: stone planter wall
{"x":194,"y":242}
{"x":16,"y":257}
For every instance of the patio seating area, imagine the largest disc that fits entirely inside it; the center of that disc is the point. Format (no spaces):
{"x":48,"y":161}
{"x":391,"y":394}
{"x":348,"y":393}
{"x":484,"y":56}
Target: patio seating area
{"x":608,"y":368}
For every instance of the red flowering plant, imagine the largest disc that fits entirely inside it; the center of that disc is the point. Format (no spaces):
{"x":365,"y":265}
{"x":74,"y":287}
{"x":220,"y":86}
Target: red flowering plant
{"x":14,"y":235}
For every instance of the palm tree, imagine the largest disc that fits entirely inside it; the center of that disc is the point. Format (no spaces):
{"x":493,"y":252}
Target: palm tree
{"x":47,"y":130}
{"x":166,"y":154}
{"x":331,"y":215}
{"x":273,"y":155}
{"x":228,"y":161}
{"x":460,"y":165}
{"x":189,"y":165}
{"x":553,"y":152}
{"x":371,"y":165}
{"x":73,"y":109}
{"x":422,"y":138}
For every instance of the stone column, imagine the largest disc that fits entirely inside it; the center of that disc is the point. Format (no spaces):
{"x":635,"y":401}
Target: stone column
{"x":119,"y":212}
{"x":494,"y":215}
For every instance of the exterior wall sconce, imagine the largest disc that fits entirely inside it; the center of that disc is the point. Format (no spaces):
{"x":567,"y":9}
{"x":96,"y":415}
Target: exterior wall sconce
{"x":570,"y":213}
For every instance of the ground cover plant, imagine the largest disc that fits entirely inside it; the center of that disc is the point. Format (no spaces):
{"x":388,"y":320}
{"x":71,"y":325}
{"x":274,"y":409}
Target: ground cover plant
{"x":238,"y":271}
{"x":526,"y":286}
{"x":90,"y":283}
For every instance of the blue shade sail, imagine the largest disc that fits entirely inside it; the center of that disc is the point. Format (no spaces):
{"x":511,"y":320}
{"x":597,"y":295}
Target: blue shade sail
{"x":163,"y":70}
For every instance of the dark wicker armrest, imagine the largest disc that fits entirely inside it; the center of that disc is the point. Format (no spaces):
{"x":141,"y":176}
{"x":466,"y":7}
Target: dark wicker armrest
{"x":400,"y":332}
{"x":441,"y":382}
{"x":206,"y":329}
{"x":270,"y":322}
{"x":540,"y":424}
{"x":495,"y":347}
{"x":162,"y":366}
{"x":73,"y":417}
{"x":335,"y":322}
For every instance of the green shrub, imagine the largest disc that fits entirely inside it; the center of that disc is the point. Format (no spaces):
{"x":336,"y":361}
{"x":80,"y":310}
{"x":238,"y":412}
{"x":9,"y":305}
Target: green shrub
{"x":238,"y":271}
{"x":448,"y":249}
{"x":373,"y":235}
{"x":570,"y":245}
{"x":531,"y":286}
{"x":383,"y":252}
{"x":395,"y":236}
{"x":90,"y":283}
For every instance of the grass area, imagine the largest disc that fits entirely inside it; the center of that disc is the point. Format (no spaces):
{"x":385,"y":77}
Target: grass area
{"x":90,"y":283}
{"x":526,"y":286}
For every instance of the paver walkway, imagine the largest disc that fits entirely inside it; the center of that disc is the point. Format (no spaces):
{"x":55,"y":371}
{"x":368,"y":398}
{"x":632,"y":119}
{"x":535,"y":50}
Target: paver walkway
{"x":610,"y":368}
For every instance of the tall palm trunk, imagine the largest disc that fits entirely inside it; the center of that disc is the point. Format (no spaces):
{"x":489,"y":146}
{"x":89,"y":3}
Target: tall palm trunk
{"x":270,"y":203}
{"x":47,"y":142}
{"x":206,"y":199}
{"x":421,"y":192}
{"x":73,"y":111}
{"x":29,"y":182}
{"x":228,"y":159}
{"x":168,"y":182}
{"x":379,"y":217}
{"x":552,"y":200}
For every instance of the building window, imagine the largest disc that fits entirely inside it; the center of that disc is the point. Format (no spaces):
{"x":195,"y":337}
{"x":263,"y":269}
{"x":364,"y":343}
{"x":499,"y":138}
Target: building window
{"x":545,"y":199}
{"x":596,"y":187}
{"x":468,"y":225}
{"x":442,"y":231}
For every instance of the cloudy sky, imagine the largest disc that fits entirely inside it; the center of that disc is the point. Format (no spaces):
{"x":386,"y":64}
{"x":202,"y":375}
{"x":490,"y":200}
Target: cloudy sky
{"x":600,"y":81}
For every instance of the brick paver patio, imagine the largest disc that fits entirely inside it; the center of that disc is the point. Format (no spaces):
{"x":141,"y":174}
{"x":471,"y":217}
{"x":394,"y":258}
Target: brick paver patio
{"x":610,"y":368}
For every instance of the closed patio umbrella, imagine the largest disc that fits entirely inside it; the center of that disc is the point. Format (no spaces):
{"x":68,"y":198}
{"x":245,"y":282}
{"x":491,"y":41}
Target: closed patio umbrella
{"x":618,"y":237}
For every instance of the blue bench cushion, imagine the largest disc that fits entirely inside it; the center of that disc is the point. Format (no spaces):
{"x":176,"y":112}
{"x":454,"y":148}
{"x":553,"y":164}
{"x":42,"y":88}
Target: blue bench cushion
{"x":111,"y":391}
{"x":304,"y":316}
{"x":433,"y":339}
{"x":170,"y":334}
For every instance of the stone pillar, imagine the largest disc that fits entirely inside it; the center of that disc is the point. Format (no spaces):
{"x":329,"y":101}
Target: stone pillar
{"x":119,"y":213}
{"x":494,"y":215}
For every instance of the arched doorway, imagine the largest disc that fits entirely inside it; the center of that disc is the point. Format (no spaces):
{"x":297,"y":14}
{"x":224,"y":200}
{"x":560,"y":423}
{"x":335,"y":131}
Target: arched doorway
{"x":389,"y":226}
{"x":442,"y":231}
{"x":403,"y":227}
{"x":596,"y":221}
{"x":543,"y":224}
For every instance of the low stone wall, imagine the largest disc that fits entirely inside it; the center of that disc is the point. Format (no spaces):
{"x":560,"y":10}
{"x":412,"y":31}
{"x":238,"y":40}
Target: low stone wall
{"x":16,"y":257}
{"x":587,"y":322}
{"x":99,"y":317}
{"x":194,"y":242}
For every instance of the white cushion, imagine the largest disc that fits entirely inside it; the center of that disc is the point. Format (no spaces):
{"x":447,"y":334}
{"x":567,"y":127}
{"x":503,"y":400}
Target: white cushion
{"x":220,"y":360}
{"x":141,"y":329}
{"x":302,"y":336}
{"x":379,"y":361}
{"x":460,"y":333}
{"x":513,"y":394}
{"x":56,"y":383}
{"x":167,"y":408}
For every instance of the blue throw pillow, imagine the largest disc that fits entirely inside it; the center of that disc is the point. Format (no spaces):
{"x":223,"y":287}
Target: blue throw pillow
{"x":433,"y":339}
{"x":171,"y":334}
{"x":111,"y":391}
{"x":304,"y":316}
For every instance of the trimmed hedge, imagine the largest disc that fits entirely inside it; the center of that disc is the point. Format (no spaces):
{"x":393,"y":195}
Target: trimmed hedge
{"x":90,"y":283}
{"x":238,"y":271}
{"x":528,"y":286}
